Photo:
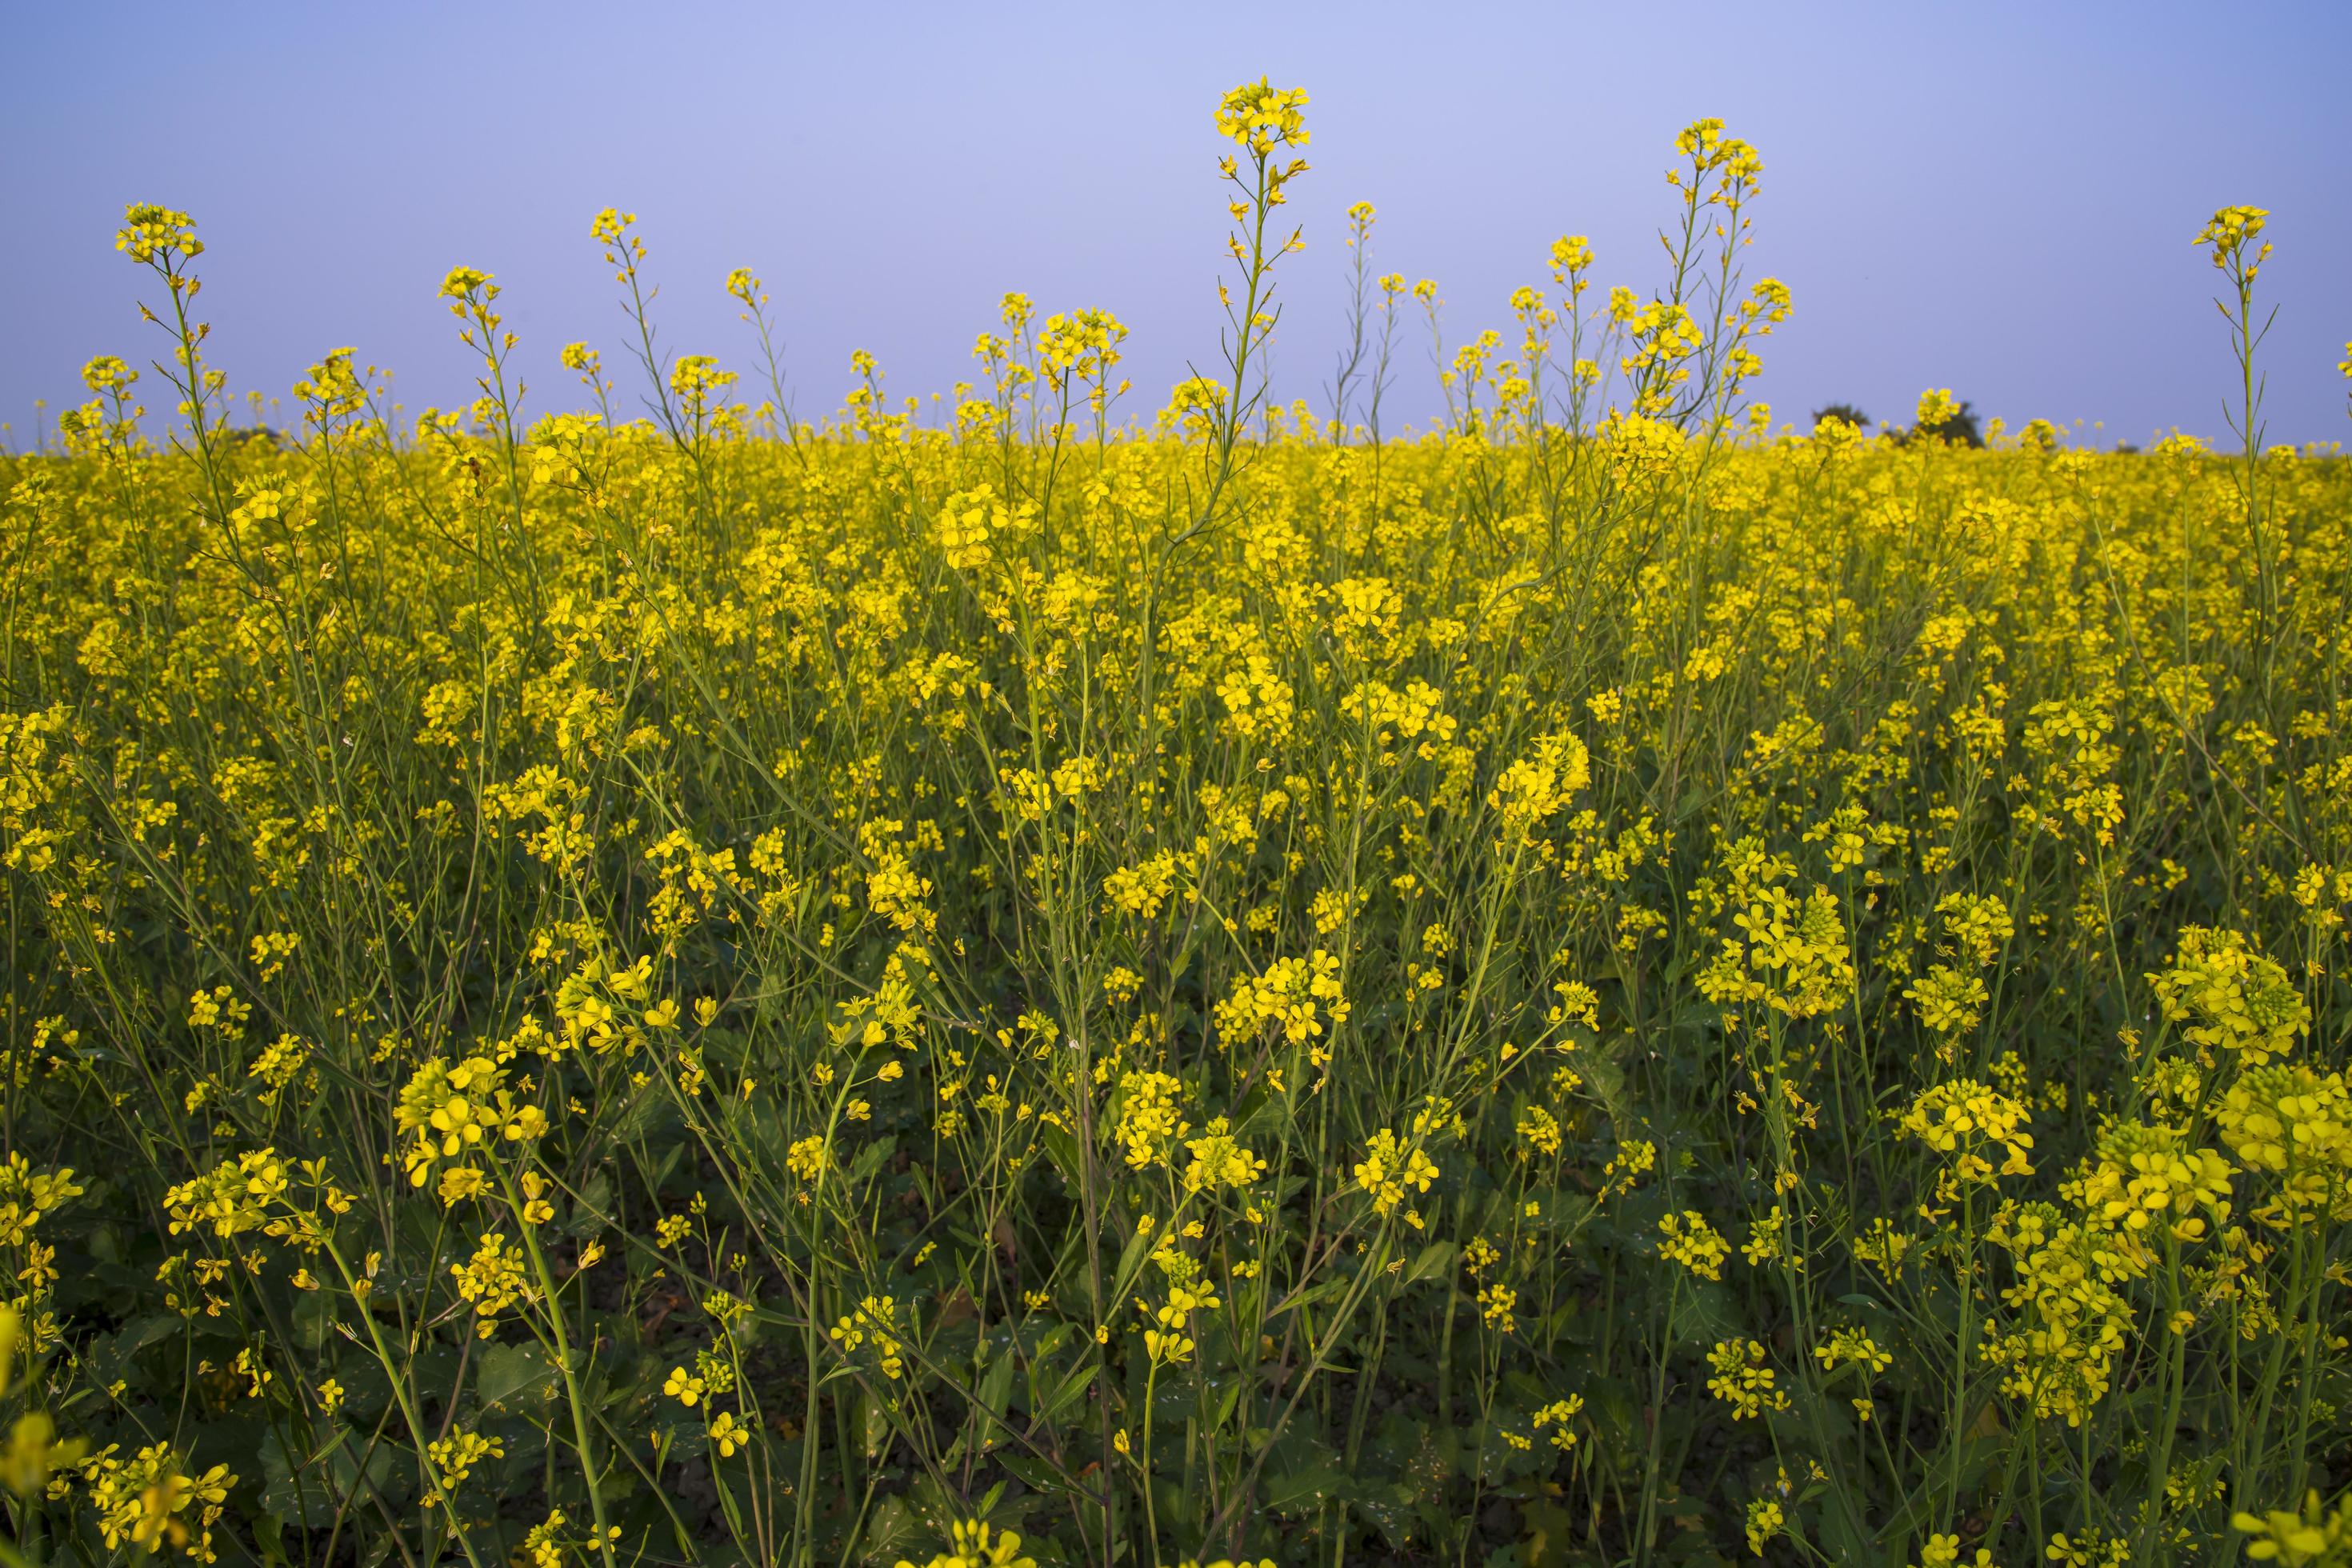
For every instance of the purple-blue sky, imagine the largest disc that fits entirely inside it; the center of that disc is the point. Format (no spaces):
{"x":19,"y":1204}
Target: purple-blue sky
{"x":1998,"y":198}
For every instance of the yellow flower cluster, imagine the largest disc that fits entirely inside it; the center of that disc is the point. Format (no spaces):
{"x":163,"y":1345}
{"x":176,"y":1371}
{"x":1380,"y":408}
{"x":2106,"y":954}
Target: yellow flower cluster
{"x":2312,"y":1537}
{"x":151,"y":1503}
{"x":974,"y":1543}
{"x":456,"y":1110}
{"x":1262,"y":116}
{"x":2225,"y":995}
{"x":1979,"y":1134}
{"x":26,"y":1194}
{"x":1297,"y":998}
{"x":1689,"y":1240}
{"x":1389,"y":1167}
{"x":2144,"y":1176}
{"x":1743,"y":1380}
{"x":875,"y":1319}
{"x":493,"y":1279}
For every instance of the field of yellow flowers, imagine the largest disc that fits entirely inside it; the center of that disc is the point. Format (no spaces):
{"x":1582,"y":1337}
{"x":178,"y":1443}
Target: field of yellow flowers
{"x":1597,"y":984}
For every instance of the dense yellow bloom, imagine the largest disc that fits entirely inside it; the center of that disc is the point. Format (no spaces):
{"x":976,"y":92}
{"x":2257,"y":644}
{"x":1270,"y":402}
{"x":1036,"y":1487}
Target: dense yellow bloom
{"x":2224,"y":994}
{"x":2313,"y":1537}
{"x":236,"y":1195}
{"x":1389,"y":1167}
{"x":1970,"y":1125}
{"x":807,"y":1158}
{"x":1219,"y":1162}
{"x":26,"y":1194}
{"x":975,"y":1544}
{"x":455,"y":1457}
{"x":1262,"y":116}
{"x":2143,"y":1175}
{"x":1142,"y":889}
{"x":456,"y":1110}
{"x":1149,"y":1122}
{"x":1689,"y":1240}
{"x":2294,"y":1124}
{"x":1496,"y":1305}
{"x":1764,"y":1521}
{"x":464,"y":283}
{"x":108,"y":374}
{"x":1792,"y":957}
{"x":1948,"y":1001}
{"x":875,"y":1319}
{"x":696,"y":377}
{"x":1742,"y":1380}
{"x":2227,"y":233}
{"x":2059,"y":1357}
{"x":1298,"y":998}
{"x":1540,"y":1130}
{"x":1539,"y":784}
{"x":493,"y":1279}
{"x":151,"y":1503}
{"x":149,"y":231}
{"x":729,"y":1436}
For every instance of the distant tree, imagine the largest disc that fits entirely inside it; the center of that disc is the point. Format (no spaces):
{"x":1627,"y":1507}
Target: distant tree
{"x":1845,"y":411}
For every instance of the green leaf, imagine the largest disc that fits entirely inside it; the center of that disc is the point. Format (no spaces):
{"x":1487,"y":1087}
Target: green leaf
{"x":1303,"y":1491}
{"x":1130,"y":1263}
{"x":1073,"y":1389}
{"x":876,"y":1424}
{"x":1550,"y":1530}
{"x":588,"y":1214}
{"x":869,"y":1159}
{"x":1706,"y":1315}
{"x":1311,"y":1296}
{"x":1388,"y":1508}
{"x":313,"y":1314}
{"x":1033,"y":1472}
{"x":647,"y":1115}
{"x":319,"y":1480}
{"x":1063,"y":1149}
{"x":996,"y":1385}
{"x":892,"y":1535}
{"x":114,"y":1360}
{"x":511,"y":1377}
{"x":1232,"y":1397}
{"x":1431,"y":1263}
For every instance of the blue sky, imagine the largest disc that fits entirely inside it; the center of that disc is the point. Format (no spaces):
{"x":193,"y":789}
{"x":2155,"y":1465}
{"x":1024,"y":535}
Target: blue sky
{"x":1992,"y":198}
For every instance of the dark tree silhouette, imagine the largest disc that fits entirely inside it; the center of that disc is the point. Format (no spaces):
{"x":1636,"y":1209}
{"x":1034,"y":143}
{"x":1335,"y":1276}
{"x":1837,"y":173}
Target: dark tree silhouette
{"x":1845,"y":411}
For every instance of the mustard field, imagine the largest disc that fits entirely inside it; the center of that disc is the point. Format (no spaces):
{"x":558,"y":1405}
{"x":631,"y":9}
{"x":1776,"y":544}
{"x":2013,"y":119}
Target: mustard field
{"x":1611,"y":981}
